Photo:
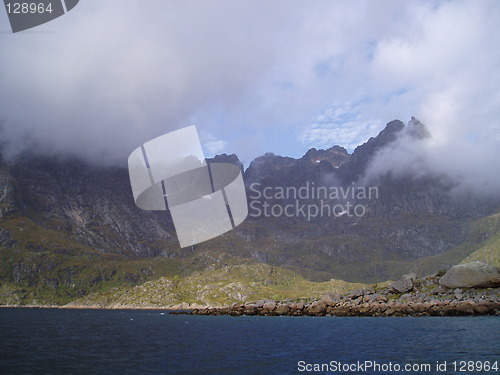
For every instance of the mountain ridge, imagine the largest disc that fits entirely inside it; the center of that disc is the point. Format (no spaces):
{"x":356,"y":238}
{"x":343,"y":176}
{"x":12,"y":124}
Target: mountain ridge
{"x":58,"y":217}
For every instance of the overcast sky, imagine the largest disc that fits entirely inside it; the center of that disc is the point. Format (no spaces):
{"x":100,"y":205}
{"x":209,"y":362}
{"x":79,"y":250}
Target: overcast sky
{"x":254,"y":76}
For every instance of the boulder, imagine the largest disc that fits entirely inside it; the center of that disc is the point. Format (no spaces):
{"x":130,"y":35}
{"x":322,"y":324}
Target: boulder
{"x":436,"y":290}
{"x":412,"y":276}
{"x":251,"y":310}
{"x":381,"y":298}
{"x":471,"y":275}
{"x":282,"y":309}
{"x":357,"y":293}
{"x":269,"y":306}
{"x":261,"y":302}
{"x":406,"y":296}
{"x":402,"y":286}
{"x":317,"y":308}
{"x":331,"y":299}
{"x":466,"y":308}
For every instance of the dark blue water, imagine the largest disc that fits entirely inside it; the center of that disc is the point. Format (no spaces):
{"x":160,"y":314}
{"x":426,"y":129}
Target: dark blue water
{"x":50,"y":341}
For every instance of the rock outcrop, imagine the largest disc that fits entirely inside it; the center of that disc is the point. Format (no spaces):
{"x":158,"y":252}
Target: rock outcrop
{"x":7,"y":199}
{"x":471,"y":275}
{"x":404,"y":285}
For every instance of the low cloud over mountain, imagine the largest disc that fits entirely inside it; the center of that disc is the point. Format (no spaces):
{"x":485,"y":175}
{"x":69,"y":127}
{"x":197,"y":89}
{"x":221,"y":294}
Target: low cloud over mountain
{"x":112,"y":75}
{"x":467,"y":165}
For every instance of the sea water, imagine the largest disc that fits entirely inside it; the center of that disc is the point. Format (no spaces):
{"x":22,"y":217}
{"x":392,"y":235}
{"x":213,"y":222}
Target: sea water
{"x":57,"y":341}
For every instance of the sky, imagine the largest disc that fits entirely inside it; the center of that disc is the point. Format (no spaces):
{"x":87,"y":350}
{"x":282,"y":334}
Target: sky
{"x":255,"y":77}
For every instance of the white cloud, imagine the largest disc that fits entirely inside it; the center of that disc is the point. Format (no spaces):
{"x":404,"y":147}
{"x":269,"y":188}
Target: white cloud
{"x":214,"y":147}
{"x":339,"y":125}
{"x":115,"y":74}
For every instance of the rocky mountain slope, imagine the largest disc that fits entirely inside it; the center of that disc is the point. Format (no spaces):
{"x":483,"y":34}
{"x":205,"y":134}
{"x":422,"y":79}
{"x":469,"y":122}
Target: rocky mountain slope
{"x":68,"y":228}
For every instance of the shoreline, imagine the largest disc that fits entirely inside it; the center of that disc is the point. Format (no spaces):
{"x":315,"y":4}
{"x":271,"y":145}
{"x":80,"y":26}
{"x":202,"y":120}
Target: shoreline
{"x":419,"y":309}
{"x":92,"y":307}
{"x":431,"y":296}
{"x":317,"y":308}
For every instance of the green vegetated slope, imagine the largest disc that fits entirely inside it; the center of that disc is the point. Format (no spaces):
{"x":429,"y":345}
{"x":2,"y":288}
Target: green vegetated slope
{"x":483,"y":244}
{"x":489,"y":251}
{"x":47,"y":267}
{"x":371,"y":265}
{"x":219,"y":287}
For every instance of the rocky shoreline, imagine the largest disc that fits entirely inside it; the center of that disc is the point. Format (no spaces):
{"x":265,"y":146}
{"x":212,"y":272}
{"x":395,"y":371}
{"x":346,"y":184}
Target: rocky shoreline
{"x":347,"y":308}
{"x":432,"y":296}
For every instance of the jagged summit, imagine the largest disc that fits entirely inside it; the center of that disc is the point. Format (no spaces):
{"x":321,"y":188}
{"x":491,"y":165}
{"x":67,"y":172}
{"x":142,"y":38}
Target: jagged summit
{"x":417,"y":129}
{"x":336,"y":159}
{"x":225,"y":158}
{"x":335,"y":155}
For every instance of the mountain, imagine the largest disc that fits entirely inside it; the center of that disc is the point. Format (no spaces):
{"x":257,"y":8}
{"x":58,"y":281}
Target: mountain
{"x":89,"y":205}
{"x":68,"y":228}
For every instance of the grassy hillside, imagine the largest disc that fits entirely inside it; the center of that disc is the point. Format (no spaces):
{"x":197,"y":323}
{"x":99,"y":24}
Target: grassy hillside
{"x":489,"y":251}
{"x":48,"y":267}
{"x":482,"y":244}
{"x":230,"y":284}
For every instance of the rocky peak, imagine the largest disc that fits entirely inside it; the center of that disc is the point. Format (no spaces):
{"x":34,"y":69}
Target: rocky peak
{"x":386,"y":136}
{"x":335,"y":155}
{"x":356,"y":166}
{"x":416,"y":129}
{"x":268,"y":165}
{"x":225,"y":158}
{"x":336,"y":161}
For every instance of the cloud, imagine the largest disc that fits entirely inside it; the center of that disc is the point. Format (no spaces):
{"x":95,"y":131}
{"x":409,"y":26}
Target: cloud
{"x":116,"y":74}
{"x":452,"y":69}
{"x":339,"y":125}
{"x":262,"y":76}
{"x":214,"y":147}
{"x":464,"y":165}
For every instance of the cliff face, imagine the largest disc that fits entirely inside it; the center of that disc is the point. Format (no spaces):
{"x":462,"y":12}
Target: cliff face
{"x":7,"y":202}
{"x":91,"y":205}
{"x":410,"y":218}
